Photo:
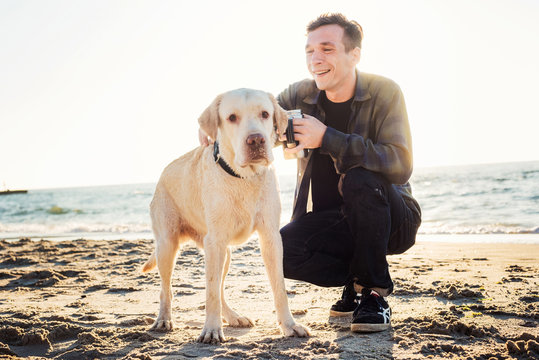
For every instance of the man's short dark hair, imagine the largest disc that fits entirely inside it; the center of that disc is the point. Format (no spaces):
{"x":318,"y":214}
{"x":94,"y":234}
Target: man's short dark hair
{"x":353,"y":33}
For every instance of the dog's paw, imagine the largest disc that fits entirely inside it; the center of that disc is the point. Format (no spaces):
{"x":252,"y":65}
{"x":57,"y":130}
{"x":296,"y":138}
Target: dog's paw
{"x":296,"y":330}
{"x":240,"y":321}
{"x":162,"y":325}
{"x":235,"y":320}
{"x":211,"y":336}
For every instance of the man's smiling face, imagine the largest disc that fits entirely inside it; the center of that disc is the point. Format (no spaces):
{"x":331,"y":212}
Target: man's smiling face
{"x":331,"y":66}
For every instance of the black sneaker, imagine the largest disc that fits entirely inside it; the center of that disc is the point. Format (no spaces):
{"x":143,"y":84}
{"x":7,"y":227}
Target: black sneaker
{"x":347,"y":304}
{"x":372,"y":314}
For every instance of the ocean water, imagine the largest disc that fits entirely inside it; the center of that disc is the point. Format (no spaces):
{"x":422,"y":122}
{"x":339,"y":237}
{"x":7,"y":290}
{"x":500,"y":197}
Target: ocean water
{"x":470,"y":200}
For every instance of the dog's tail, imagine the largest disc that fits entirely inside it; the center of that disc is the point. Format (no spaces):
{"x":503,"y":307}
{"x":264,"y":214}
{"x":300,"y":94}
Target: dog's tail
{"x":150,"y":264}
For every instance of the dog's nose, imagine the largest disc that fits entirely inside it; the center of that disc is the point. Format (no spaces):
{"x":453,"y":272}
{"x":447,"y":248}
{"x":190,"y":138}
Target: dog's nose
{"x":255,"y":140}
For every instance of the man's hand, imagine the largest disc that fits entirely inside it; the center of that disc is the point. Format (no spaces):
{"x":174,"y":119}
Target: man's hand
{"x":203,"y":138}
{"x":309,"y":131}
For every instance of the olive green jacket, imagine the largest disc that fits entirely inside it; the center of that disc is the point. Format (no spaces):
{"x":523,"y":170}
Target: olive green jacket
{"x":378,"y":136}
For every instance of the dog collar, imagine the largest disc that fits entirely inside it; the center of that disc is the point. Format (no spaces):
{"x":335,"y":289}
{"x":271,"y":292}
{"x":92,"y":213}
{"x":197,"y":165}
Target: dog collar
{"x":219,"y":160}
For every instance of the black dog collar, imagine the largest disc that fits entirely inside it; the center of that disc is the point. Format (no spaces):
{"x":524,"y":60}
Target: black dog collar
{"x":220,"y":161}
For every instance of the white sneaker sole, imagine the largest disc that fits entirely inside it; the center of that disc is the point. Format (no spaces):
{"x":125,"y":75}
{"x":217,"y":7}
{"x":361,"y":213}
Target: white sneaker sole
{"x":369,"y":327}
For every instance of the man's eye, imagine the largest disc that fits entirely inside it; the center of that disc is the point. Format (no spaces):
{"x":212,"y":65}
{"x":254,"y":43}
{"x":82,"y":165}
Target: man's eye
{"x":308,"y":52}
{"x":328,"y":50}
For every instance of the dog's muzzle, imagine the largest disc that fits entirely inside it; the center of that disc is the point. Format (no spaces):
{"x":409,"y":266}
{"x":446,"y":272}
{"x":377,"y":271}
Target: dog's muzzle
{"x":256,"y":147}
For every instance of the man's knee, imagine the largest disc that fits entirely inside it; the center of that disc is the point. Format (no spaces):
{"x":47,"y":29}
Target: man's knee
{"x":293,"y":251}
{"x":293,"y":240}
{"x":287,"y":233}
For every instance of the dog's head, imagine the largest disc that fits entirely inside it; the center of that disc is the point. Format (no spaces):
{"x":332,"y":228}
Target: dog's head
{"x":246,"y":123}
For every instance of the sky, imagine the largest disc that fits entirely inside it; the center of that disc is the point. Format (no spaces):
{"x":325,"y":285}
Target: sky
{"x":96,"y":92}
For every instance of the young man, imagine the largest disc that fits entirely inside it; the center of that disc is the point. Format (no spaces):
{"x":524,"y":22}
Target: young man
{"x":353,"y":204}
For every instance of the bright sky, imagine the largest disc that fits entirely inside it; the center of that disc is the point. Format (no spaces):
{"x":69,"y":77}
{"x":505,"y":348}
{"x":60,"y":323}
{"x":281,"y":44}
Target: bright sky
{"x":107,"y":92}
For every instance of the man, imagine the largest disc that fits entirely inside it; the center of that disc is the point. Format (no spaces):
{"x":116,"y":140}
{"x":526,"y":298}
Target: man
{"x":353,"y":204}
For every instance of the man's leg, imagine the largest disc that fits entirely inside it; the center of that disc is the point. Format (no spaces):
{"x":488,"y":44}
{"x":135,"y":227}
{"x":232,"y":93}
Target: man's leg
{"x":379,"y":221}
{"x":377,"y":216}
{"x":318,"y":248}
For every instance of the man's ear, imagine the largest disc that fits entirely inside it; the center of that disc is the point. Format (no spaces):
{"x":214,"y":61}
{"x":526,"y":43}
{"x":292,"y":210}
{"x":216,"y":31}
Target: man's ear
{"x":280,"y":119}
{"x":357,"y":54}
{"x":209,"y":120}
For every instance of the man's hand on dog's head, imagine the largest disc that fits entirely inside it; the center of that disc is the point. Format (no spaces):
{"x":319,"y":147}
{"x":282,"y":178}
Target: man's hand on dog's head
{"x":203,"y":138}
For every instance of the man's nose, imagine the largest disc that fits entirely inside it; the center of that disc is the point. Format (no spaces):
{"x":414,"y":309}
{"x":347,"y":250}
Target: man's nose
{"x":317,"y":57}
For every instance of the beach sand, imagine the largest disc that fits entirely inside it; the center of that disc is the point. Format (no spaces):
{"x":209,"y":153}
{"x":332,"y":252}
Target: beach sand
{"x":87,"y":299}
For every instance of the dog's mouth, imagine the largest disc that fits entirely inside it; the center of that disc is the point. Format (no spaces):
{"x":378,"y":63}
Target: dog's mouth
{"x":259,"y":160}
{"x":256,"y":159}
{"x":255,"y":156}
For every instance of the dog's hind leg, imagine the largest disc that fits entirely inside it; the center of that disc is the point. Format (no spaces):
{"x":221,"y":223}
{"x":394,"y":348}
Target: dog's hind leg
{"x":166,"y":229}
{"x":231,"y":317}
{"x":166,"y":226}
{"x":165,"y":253}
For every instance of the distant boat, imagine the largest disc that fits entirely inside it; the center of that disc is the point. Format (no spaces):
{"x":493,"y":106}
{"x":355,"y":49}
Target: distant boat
{"x":9,"y":192}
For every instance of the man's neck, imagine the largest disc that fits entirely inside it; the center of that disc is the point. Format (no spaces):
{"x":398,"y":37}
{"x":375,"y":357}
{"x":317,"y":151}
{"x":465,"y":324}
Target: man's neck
{"x":345,"y":92}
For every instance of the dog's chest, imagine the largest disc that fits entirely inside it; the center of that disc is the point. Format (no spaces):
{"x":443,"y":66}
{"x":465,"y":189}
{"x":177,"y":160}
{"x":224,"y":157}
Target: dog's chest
{"x":237,"y":220}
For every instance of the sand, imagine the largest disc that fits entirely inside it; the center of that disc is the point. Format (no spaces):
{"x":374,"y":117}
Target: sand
{"x":87,"y":299}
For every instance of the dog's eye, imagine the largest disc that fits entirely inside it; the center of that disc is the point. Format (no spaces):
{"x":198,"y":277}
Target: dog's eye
{"x":232,"y":118}
{"x":265,"y":114}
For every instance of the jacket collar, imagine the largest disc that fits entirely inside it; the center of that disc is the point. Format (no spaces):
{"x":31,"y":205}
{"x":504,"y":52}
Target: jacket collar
{"x":361,"y":94}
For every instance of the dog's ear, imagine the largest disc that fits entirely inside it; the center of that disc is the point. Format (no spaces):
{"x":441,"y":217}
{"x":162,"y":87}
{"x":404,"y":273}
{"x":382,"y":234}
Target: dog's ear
{"x":280,"y":119}
{"x":209,"y":120}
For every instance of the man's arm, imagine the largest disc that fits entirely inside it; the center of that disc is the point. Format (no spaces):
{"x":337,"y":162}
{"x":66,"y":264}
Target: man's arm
{"x":391,"y":155}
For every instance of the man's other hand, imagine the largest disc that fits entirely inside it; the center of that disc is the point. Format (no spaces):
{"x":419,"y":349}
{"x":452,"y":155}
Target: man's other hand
{"x":203,"y":138}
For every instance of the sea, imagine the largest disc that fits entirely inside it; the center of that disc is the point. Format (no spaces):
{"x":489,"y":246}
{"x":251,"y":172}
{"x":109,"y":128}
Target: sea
{"x":459,"y":203}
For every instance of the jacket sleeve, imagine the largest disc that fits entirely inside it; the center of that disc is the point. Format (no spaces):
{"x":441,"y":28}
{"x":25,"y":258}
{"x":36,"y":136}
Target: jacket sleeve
{"x":285,"y":98}
{"x":390,"y":152}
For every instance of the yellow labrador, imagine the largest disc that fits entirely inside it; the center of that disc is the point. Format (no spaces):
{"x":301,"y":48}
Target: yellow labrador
{"x":218,"y":196}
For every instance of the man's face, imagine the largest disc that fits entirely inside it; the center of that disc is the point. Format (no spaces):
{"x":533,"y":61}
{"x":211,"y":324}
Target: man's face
{"x":327,"y":60}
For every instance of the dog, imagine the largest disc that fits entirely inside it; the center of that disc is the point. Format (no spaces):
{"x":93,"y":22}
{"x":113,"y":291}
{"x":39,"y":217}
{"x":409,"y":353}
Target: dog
{"x":218,"y":196}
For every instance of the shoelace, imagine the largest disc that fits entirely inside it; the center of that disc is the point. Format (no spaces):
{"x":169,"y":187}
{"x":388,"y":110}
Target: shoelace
{"x":368,"y":303}
{"x":348,"y":294}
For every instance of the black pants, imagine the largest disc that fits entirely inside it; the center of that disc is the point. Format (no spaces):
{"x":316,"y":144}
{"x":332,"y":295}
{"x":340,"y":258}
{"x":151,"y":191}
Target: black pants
{"x":331,"y":248}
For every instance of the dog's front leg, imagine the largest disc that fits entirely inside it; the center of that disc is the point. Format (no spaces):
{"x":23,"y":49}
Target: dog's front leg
{"x":271,"y":247}
{"x":215,"y":252}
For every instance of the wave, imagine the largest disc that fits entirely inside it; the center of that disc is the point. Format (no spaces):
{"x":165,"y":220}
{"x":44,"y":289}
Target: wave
{"x":72,"y":228}
{"x":33,"y":229}
{"x":477,"y":230}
